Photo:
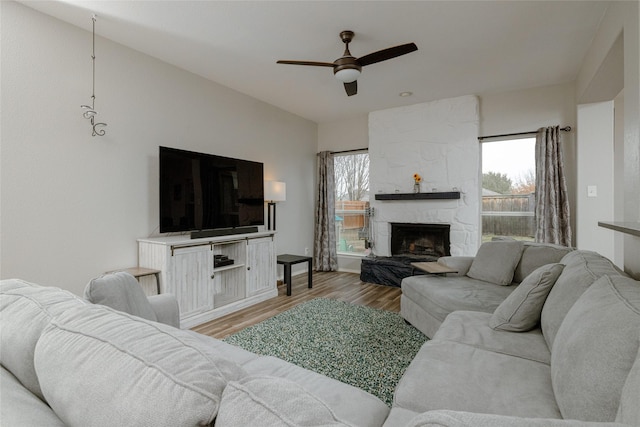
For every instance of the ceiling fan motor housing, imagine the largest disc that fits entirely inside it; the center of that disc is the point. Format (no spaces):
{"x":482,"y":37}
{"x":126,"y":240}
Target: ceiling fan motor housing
{"x":347,"y":69}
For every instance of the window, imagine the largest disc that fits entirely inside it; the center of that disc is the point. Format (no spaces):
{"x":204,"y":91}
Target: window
{"x":352,"y":202}
{"x":508,"y":189}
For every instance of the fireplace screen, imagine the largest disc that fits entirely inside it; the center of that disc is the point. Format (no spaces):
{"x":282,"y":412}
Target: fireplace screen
{"x":420,"y":239}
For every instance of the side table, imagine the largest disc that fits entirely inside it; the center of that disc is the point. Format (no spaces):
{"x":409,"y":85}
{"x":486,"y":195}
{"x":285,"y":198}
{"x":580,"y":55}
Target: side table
{"x":288,"y":260}
{"x":139,"y":272}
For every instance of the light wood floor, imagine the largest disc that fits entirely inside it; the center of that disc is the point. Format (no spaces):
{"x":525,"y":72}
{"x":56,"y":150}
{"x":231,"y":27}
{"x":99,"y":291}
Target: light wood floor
{"x":340,"y":286}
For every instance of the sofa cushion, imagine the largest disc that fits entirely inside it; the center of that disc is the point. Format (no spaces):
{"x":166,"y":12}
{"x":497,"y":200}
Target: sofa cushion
{"x":472,"y":328}
{"x":469,"y":419}
{"x":581,"y":269}
{"x":629,"y":410}
{"x":120,"y":291}
{"x":20,"y":407}
{"x":274,"y":402}
{"x":25,"y":310}
{"x":535,"y":255}
{"x":440,"y":296}
{"x":521,"y":310}
{"x":349,"y":403}
{"x":595,"y":349}
{"x":98,"y":367}
{"x":496,"y":262}
{"x":461,"y":377}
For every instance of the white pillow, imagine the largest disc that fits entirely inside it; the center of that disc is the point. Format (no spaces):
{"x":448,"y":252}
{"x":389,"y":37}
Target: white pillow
{"x":520,"y":312}
{"x":496,"y":262}
{"x":273,"y":402}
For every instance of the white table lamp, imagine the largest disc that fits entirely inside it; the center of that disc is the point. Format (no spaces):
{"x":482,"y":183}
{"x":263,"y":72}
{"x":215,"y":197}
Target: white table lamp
{"x":274,"y":191}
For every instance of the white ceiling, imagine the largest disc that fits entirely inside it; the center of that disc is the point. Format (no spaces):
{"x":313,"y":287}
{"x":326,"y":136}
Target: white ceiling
{"x":464,"y":47}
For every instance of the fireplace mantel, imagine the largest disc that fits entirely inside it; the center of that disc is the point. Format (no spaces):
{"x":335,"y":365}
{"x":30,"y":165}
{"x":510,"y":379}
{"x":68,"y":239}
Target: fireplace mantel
{"x":420,"y":196}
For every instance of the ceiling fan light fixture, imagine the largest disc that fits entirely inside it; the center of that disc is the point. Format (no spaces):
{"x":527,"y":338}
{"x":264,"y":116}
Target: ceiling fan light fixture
{"x":347,"y":75}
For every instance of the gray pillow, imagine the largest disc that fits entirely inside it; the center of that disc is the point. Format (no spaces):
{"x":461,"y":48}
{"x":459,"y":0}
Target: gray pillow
{"x":25,"y":313}
{"x":595,"y":348}
{"x":101,"y":367}
{"x":495,"y":262}
{"x":629,"y":410}
{"x":536,"y":255}
{"x":274,"y":402}
{"x":520,"y":312}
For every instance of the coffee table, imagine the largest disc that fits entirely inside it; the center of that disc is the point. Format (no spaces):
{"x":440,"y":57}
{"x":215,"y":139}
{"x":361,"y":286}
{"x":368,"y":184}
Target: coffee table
{"x":433,"y":268}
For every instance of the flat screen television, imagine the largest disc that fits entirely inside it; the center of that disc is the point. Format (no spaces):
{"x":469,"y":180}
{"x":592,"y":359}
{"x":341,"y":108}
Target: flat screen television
{"x":201,"y":191}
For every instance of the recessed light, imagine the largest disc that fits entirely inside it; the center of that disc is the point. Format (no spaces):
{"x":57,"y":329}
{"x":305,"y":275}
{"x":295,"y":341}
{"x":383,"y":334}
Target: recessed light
{"x":403,"y":94}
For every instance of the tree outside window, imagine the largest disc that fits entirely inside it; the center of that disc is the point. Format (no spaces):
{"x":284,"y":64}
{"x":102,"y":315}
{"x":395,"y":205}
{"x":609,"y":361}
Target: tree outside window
{"x":508,"y":189}
{"x":352,"y":200}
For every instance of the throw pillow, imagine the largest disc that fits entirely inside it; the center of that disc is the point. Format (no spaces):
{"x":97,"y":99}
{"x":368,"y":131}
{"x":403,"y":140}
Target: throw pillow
{"x":26,"y":310}
{"x":595,"y":349}
{"x":495,"y":262}
{"x":101,"y":367}
{"x":520,"y":312}
{"x":275,"y":402}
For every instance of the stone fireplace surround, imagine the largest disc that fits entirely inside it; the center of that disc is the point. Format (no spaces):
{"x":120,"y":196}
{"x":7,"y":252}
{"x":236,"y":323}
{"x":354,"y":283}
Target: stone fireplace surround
{"x":439,"y":141}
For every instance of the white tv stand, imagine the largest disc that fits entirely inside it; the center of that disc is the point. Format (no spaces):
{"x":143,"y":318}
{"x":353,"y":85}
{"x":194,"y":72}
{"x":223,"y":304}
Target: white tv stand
{"x":205,"y":292}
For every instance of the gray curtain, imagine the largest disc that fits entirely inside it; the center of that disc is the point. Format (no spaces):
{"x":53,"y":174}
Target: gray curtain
{"x":325,"y":252}
{"x":552,"y":202}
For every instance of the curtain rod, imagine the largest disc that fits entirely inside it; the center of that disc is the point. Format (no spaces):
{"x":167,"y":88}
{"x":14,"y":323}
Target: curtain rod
{"x":350,"y":151}
{"x":480,"y":138}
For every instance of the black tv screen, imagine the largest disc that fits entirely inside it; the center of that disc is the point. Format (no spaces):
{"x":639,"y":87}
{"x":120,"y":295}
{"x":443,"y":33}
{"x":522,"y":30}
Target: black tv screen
{"x":202,"y":191}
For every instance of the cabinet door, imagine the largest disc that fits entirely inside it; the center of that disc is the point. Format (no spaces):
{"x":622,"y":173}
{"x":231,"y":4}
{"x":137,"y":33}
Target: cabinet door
{"x":261,"y":266}
{"x":191,"y":270}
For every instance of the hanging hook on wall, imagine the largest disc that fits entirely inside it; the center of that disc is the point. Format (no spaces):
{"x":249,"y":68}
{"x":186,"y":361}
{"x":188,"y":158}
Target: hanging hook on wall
{"x":90,"y":112}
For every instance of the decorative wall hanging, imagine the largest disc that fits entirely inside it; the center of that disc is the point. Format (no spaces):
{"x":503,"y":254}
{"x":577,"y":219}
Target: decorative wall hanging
{"x":90,"y":112}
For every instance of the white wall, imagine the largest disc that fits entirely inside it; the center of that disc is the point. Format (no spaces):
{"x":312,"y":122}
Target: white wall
{"x":348,"y":134}
{"x":618,"y":176}
{"x":621,"y":18}
{"x":595,"y":171}
{"x":72,"y":205}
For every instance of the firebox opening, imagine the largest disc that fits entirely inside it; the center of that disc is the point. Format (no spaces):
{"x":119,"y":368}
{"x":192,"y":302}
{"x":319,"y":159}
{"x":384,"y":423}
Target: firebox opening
{"x":419,"y":240}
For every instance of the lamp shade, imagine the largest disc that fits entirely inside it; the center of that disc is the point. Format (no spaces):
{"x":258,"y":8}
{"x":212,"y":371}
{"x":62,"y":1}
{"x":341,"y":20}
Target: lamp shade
{"x":347,"y":75}
{"x":275,"y":191}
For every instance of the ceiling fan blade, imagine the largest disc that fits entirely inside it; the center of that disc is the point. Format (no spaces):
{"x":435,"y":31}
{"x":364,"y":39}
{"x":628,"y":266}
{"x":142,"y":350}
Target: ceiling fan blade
{"x":312,"y":63}
{"x":351,"y":88}
{"x":384,"y":54}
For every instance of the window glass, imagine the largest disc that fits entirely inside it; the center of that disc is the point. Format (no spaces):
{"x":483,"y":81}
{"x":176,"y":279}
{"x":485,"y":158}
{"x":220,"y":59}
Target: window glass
{"x":508,"y":189}
{"x":352,"y":202}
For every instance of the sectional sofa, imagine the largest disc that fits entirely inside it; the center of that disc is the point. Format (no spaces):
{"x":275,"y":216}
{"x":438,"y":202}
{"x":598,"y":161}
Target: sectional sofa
{"x":68,"y":362}
{"x":562,"y":343}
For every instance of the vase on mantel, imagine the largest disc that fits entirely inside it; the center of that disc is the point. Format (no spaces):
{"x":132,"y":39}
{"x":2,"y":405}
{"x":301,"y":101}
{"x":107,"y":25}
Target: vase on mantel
{"x":416,"y":187}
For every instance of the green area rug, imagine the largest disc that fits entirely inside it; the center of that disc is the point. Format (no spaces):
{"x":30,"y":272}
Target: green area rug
{"x":362,"y":346}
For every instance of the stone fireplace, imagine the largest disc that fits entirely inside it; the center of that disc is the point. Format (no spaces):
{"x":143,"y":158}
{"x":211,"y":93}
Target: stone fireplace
{"x":410,"y":242}
{"x":439,"y":141}
{"x":420,"y":240}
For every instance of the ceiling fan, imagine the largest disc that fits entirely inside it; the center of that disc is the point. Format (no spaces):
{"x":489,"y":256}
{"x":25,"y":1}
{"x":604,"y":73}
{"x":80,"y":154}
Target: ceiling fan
{"x":347,"y":68}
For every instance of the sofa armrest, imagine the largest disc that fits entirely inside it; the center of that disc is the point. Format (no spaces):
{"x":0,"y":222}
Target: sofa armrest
{"x":444,"y":418}
{"x":460,"y":263}
{"x":165,"y":306}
